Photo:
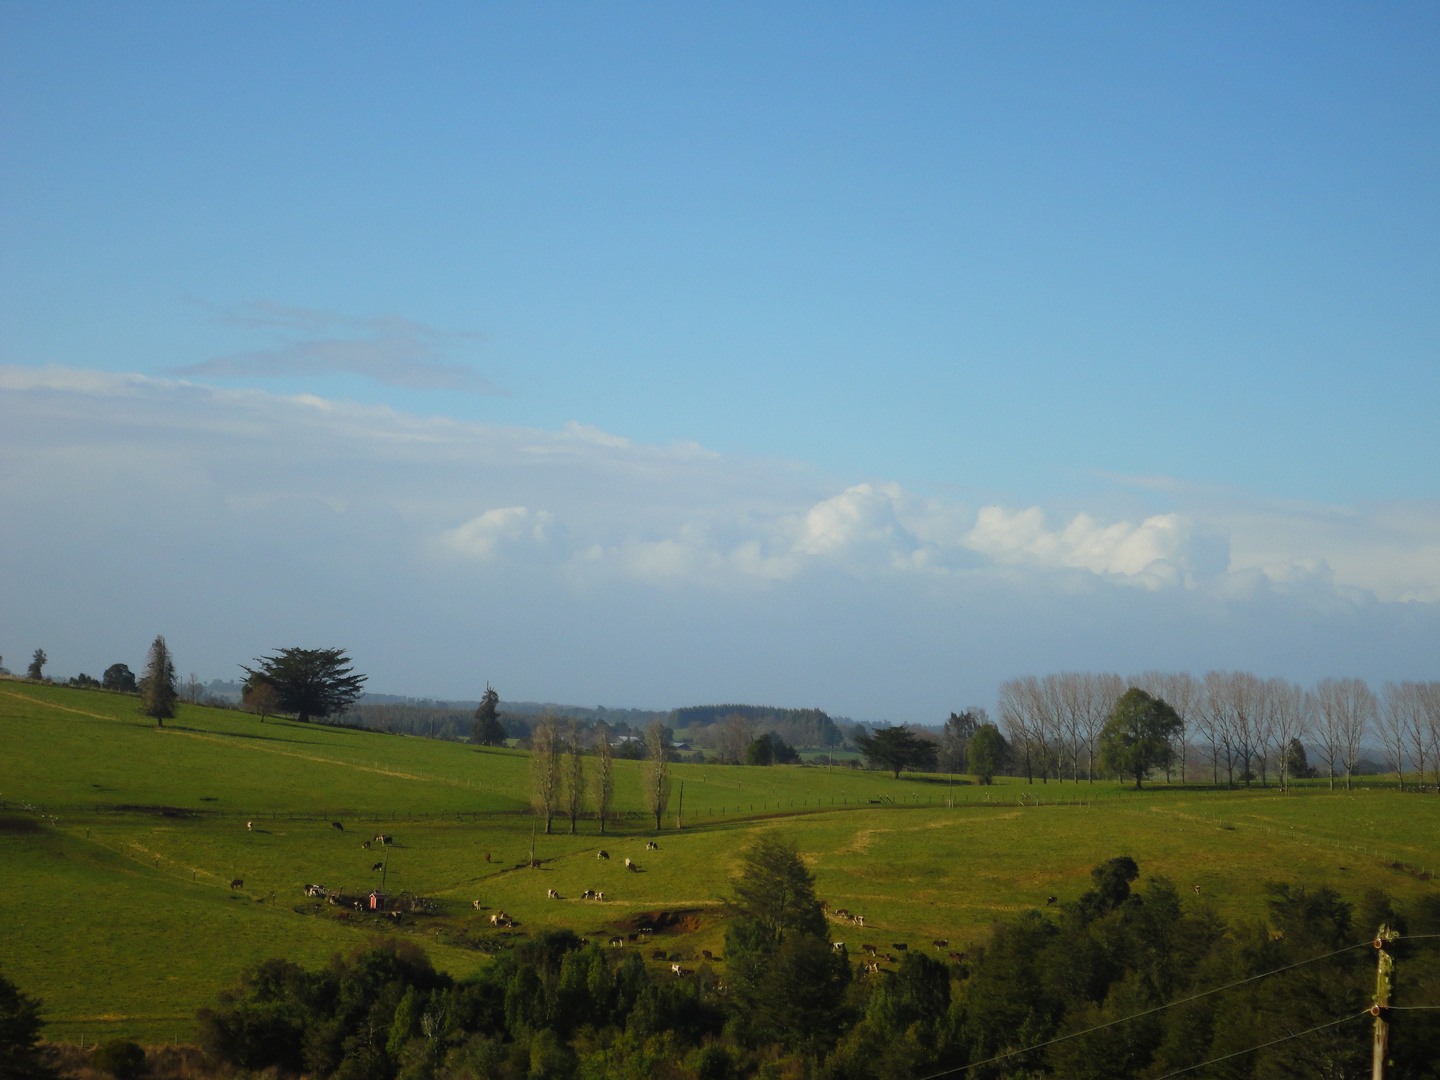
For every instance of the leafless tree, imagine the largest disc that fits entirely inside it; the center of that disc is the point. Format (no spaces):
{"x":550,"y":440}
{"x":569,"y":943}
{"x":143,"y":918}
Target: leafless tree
{"x":1429,"y":694}
{"x":1264,"y":725}
{"x":574,"y":775}
{"x":1017,"y":697}
{"x":604,"y":773}
{"x":1346,"y":710}
{"x":1221,"y":726}
{"x":1287,"y":702}
{"x":1101,"y":693}
{"x":657,"y":770}
{"x":546,"y":749}
{"x":1400,"y":715}
{"x":733,"y":736}
{"x":192,"y":689}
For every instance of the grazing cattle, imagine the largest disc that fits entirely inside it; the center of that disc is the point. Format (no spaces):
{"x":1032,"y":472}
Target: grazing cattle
{"x":366,"y":845}
{"x":647,"y":929}
{"x":889,"y":959}
{"x":872,"y":966}
{"x":394,"y":915}
{"x":1277,"y":935}
{"x":841,"y":913}
{"x":658,"y":954}
{"x":384,"y":839}
{"x":706,"y":953}
{"x":682,"y":971}
{"x":837,"y":945}
{"x":602,"y":855}
{"x":588,"y":894}
{"x":315,"y":890}
{"x":869,"y":949}
{"x":628,"y":863}
{"x":675,"y":968}
{"x":940,"y":943}
{"x":475,"y":904}
{"x":957,"y":956}
{"x":617,"y":942}
{"x":237,"y":883}
{"x":899,"y":946}
{"x":824,"y":905}
{"x":634,"y":868}
{"x":599,"y":896}
{"x":337,"y":825}
{"x":357,"y":905}
{"x":650,"y":845}
{"x":551,"y":894}
{"x":249,"y":825}
{"x":487,"y":856}
{"x":1197,"y":887}
{"x":1049,"y":900}
{"x":859,"y":920}
{"x":495,"y":919}
{"x":378,"y":866}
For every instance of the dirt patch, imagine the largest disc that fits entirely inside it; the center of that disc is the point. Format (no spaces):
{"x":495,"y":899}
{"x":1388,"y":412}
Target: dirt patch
{"x":10,"y":823}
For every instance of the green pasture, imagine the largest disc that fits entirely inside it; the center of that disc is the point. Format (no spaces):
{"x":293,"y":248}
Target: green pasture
{"x":123,"y":920}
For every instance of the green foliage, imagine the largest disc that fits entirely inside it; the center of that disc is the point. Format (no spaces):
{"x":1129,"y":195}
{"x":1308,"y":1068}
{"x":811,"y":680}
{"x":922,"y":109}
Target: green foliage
{"x":776,"y":892}
{"x":760,"y":752}
{"x":122,"y":1059}
{"x":987,"y":752}
{"x":1138,"y":735}
{"x":119,"y":677}
{"x":896,"y":748}
{"x":20,"y":1026}
{"x":311,"y":682}
{"x":36,"y":670}
{"x":157,"y":685}
{"x":488,"y":730}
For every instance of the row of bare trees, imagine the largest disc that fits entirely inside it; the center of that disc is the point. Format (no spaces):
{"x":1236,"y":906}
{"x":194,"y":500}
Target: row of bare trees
{"x":1249,"y":728}
{"x":562,"y":784}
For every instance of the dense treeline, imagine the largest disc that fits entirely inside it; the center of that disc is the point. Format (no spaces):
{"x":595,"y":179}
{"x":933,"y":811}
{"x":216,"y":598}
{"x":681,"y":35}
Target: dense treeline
{"x":1234,"y":726}
{"x":785,"y":1002}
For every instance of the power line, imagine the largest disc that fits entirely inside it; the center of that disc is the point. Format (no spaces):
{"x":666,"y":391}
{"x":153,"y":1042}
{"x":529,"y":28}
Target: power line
{"x":1262,"y":1046}
{"x":1171,"y":1005}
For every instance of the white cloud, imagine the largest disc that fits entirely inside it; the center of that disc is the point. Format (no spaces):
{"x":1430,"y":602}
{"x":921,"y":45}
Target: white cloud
{"x":506,"y":530}
{"x":124,"y":494}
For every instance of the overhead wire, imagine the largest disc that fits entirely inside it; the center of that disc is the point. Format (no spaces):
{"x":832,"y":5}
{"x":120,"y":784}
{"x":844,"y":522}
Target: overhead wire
{"x":1262,"y":1046}
{"x":1171,"y":1005}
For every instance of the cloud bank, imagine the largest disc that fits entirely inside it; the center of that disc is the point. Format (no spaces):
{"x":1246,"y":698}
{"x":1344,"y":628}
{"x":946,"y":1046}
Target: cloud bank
{"x":579,"y":561}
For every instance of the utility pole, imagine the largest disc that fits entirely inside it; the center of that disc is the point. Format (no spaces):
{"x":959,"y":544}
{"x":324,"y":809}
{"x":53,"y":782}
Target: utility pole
{"x":680,"y":813}
{"x":1384,"y":972}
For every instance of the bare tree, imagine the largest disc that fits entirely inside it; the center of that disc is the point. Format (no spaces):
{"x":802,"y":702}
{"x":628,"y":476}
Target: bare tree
{"x":1401,"y":716}
{"x":1221,"y":725}
{"x":733,"y":736}
{"x":1263,"y":725}
{"x":1016,"y":696}
{"x":657,"y":770}
{"x":604,"y":773}
{"x":1101,"y":693}
{"x":1346,"y":710}
{"x":1291,"y":721}
{"x":1429,"y":694}
{"x":574,"y":775}
{"x":1185,"y":694}
{"x":546,"y":748}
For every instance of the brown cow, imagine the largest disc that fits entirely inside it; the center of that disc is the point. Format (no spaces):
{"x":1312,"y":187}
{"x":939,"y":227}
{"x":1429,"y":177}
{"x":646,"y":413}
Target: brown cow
{"x":237,"y":883}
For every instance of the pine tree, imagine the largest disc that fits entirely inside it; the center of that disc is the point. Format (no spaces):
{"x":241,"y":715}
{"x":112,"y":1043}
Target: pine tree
{"x":157,"y":685}
{"x":488,"y":730}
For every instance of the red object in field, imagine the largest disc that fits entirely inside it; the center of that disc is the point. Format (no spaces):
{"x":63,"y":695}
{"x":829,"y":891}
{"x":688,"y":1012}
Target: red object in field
{"x":377,"y":901}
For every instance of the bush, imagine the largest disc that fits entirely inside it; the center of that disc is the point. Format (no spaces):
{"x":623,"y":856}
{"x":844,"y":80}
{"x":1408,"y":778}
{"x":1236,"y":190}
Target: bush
{"x":121,"y":1059}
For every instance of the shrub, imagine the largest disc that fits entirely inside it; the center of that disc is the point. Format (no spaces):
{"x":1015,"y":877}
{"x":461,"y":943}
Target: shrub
{"x":120,"y":1058}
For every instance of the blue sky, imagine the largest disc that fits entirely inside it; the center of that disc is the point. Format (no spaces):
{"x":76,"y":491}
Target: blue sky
{"x":938,"y":345}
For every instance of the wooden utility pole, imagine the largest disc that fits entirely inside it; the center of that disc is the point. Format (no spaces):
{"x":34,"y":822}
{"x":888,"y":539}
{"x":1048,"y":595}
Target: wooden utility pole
{"x":1384,"y":977}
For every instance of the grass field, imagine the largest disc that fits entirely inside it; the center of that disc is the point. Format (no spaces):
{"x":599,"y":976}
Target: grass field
{"x":119,"y":841}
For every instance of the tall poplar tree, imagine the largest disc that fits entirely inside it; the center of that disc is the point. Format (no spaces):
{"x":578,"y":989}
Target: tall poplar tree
{"x":545,"y":752}
{"x":657,"y":770}
{"x":604,"y":773}
{"x":574,"y":775}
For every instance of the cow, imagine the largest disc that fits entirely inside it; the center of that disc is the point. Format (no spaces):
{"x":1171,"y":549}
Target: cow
{"x":599,"y":896}
{"x":237,"y":883}
{"x":706,"y":953}
{"x":551,"y":894}
{"x":384,"y":840}
{"x":957,"y":956}
{"x":870,"y":949}
{"x":365,"y":844}
{"x":250,"y":825}
{"x":394,"y":915}
{"x":659,"y":954}
{"x":634,"y":868}
{"x":837,"y":945}
{"x":824,"y":905}
{"x":602,"y":855}
{"x":841,"y":913}
{"x":487,"y":856}
{"x":617,"y":942}
{"x":940,"y":943}
{"x":1197,"y":887}
{"x":628,"y":863}
{"x":858,"y":920}
{"x":337,"y":825}
{"x":475,"y":904}
{"x":889,"y":959}
{"x":1049,"y":900}
{"x":899,"y":946}
{"x":675,"y":968}
{"x":588,"y":894}
{"x":872,"y":966}
{"x":316,"y":890}
{"x":650,"y":845}
{"x":378,"y":866}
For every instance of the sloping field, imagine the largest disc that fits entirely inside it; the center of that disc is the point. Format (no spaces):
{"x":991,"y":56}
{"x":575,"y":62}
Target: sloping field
{"x":120,"y":842}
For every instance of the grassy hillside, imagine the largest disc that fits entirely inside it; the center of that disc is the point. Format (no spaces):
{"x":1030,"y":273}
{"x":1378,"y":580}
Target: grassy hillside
{"x":118,"y":872}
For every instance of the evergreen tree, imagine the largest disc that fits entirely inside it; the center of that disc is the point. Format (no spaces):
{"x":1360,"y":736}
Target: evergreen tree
{"x":488,"y":730}
{"x":37,"y":665}
{"x":309,"y":682}
{"x":119,"y":677}
{"x":896,"y":748}
{"x":20,"y":1026}
{"x":157,"y":685}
